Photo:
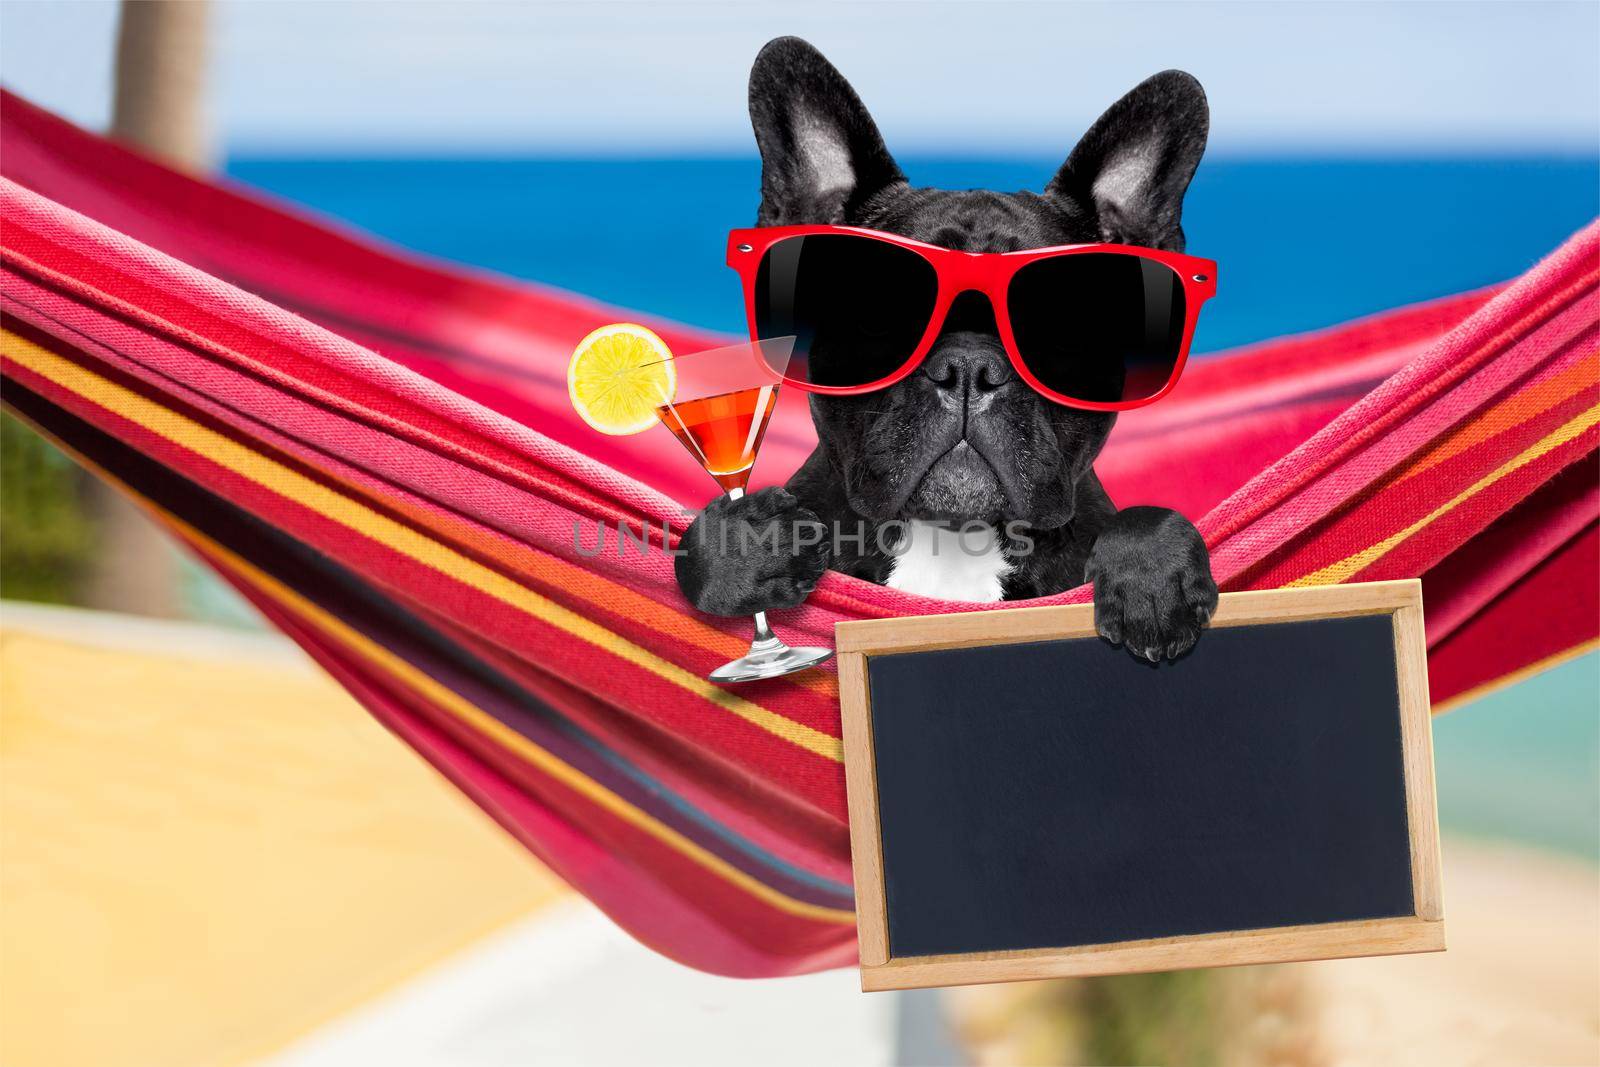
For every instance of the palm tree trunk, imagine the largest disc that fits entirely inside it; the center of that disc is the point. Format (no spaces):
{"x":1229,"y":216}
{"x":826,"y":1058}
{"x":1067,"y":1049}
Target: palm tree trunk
{"x":159,"y":108}
{"x":161,"y":74}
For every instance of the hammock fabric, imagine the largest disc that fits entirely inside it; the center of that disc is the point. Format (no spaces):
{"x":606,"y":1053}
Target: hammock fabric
{"x":378,"y":452}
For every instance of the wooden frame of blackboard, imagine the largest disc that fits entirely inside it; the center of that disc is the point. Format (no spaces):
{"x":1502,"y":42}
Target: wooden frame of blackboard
{"x":1420,"y":932}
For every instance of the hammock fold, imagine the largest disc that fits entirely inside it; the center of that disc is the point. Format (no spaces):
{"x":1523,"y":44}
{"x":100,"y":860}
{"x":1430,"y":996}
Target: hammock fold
{"x":377,"y":451}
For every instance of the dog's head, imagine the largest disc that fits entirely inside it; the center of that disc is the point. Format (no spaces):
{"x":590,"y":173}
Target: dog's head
{"x":964,"y":438}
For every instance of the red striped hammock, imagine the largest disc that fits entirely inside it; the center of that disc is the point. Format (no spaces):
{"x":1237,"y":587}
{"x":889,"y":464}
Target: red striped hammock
{"x":378,"y":452}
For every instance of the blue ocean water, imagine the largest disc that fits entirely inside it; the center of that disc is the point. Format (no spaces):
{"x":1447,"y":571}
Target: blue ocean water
{"x":1300,"y":243}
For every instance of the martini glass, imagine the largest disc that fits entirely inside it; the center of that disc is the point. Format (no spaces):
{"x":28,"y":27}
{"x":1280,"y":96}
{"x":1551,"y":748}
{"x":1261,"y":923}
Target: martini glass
{"x":723,"y":401}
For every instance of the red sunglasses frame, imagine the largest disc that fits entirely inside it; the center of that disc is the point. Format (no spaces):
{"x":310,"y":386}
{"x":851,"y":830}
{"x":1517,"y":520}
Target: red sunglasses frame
{"x":989,"y":273}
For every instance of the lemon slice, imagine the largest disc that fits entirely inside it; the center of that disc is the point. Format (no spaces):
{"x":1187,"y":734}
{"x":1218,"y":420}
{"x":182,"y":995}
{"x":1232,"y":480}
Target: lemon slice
{"x":618,"y":376}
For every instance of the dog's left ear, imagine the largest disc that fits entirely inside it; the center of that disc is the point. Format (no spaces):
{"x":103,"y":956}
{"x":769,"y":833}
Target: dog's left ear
{"x":821,"y":153}
{"x":1135,"y":163}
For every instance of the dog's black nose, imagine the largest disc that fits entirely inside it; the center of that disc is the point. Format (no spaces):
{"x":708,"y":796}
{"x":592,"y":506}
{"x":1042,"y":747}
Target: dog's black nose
{"x":967,"y":365}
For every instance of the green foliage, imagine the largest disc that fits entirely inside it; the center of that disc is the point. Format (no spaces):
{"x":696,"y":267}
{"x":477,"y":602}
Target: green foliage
{"x":1168,"y":1018}
{"x":47,"y":537}
{"x":1240,"y":1017}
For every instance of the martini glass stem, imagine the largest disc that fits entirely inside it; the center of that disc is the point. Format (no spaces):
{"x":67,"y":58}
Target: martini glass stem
{"x":765,"y":640}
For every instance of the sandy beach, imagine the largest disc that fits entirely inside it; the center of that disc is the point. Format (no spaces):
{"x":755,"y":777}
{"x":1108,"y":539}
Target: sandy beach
{"x":1519,"y":984}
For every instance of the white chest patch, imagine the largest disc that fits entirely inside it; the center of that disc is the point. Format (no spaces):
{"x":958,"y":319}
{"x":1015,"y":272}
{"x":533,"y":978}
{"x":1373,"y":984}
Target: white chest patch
{"x":951,"y":564}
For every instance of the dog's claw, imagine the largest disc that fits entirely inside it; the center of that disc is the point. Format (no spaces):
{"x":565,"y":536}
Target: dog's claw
{"x":1110,"y":629}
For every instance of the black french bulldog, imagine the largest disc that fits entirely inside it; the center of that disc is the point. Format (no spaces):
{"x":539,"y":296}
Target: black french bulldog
{"x":963,"y":440}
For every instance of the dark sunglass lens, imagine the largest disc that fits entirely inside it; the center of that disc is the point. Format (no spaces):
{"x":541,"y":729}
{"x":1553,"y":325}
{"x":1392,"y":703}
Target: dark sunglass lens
{"x":857,"y":307}
{"x":1105,"y":327}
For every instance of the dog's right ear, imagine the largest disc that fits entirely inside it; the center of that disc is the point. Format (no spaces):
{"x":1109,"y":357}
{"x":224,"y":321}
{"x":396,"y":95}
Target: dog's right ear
{"x":1135,"y":163}
{"x":821,"y":154}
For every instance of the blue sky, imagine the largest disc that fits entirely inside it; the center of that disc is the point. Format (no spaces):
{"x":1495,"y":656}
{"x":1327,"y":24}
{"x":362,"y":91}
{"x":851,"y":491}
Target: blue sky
{"x":645,"y":79}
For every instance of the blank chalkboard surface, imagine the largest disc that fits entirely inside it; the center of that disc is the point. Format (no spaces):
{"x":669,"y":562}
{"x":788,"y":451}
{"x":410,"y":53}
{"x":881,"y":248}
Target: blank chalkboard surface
{"x":1029,"y":800}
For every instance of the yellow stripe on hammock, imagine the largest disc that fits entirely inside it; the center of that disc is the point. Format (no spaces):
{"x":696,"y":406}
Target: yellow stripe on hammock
{"x":603,"y":593}
{"x":363,"y":520}
{"x":1515,"y":410}
{"x":1344,"y":569}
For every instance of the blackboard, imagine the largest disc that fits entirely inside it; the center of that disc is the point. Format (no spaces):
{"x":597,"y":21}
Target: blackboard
{"x":1043,"y":803}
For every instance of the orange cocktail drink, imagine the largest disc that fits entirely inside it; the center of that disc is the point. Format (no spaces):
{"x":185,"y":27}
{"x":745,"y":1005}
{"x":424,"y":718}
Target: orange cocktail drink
{"x":723,"y":431}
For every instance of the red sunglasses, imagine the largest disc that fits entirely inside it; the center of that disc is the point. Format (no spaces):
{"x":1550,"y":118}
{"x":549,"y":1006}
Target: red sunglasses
{"x":1099,"y":326}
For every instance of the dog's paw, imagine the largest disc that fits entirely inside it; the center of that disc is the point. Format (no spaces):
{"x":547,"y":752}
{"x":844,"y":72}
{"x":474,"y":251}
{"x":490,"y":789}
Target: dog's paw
{"x":1153,"y":591}
{"x":758,"y":553}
